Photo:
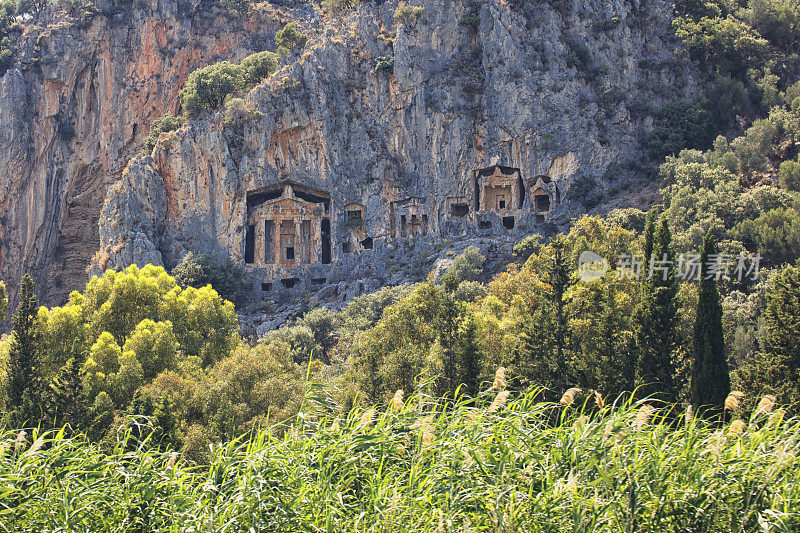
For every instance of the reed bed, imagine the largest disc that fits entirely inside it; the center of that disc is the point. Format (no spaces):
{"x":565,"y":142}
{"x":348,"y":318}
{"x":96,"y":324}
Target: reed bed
{"x":501,"y":463}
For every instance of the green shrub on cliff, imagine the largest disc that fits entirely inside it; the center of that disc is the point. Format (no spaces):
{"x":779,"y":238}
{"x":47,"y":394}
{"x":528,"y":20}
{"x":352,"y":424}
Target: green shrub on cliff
{"x":162,"y":124}
{"x":208,"y":87}
{"x":290,"y":38}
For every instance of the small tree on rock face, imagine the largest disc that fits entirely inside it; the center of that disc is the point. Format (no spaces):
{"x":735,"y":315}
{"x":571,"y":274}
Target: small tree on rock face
{"x":710,"y":379}
{"x":290,"y":38}
{"x":24,"y":382}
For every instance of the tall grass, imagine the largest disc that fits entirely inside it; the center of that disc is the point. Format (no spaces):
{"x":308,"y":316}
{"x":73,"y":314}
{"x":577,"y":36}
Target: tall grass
{"x":508,"y":464}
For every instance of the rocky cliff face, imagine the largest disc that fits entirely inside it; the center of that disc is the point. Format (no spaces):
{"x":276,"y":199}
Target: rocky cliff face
{"x":474,"y":122}
{"x":76,"y":106}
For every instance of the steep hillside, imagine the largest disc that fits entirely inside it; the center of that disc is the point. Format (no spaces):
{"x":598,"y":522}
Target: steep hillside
{"x":460,"y":121}
{"x":76,"y":102}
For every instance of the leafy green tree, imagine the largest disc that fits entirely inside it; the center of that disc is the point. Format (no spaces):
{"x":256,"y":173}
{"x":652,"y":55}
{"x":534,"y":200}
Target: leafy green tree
{"x":470,"y":355}
{"x":710,"y":383}
{"x":207,"y":88}
{"x":25,"y":396}
{"x":656,"y":320}
{"x":199,"y":270}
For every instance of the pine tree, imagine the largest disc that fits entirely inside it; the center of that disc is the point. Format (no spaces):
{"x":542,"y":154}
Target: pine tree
{"x":25,"y":396}
{"x":70,"y":401}
{"x":710,"y":379}
{"x":656,"y":320}
{"x":447,"y":321}
{"x":649,"y":230}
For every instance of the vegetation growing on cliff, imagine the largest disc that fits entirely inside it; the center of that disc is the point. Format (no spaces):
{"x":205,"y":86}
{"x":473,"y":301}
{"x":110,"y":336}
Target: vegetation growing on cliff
{"x":208,"y":88}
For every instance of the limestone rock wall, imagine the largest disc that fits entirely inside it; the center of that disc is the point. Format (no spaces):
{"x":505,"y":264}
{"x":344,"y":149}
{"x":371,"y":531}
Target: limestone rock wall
{"x":399,"y":121}
{"x":76,"y":106}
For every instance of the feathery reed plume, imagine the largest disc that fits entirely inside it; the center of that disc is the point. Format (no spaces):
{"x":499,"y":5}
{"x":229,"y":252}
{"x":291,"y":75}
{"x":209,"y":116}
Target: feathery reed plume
{"x":19,"y":442}
{"x":765,"y":405}
{"x":598,"y":400}
{"x":499,"y":378}
{"x":737,"y":428}
{"x":173,"y":458}
{"x":440,"y":528}
{"x":643,"y":416}
{"x":688,"y":418}
{"x":776,"y":418}
{"x":366,"y":417}
{"x":35,"y":447}
{"x":580,"y":422}
{"x":498,"y":402}
{"x":335,"y":425}
{"x":569,"y":397}
{"x":732,"y":401}
{"x":425,"y":425}
{"x":397,"y":401}
{"x":424,"y":421}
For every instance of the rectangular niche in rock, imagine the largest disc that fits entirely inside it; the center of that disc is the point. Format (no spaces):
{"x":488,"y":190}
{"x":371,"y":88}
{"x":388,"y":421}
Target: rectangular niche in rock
{"x":459,"y":210}
{"x":288,"y":283}
{"x":367,"y":243}
{"x":347,"y":247}
{"x":508,"y":222}
{"x":249,"y":244}
{"x":266,"y":287}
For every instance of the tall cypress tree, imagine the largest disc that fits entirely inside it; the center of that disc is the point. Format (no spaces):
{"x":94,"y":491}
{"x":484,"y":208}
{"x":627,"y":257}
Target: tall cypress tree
{"x":25,"y":396}
{"x":711,"y":382}
{"x":657,"y":323}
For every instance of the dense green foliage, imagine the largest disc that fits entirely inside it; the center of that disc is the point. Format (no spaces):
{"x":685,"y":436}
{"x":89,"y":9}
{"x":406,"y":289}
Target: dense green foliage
{"x":503,"y":463}
{"x":199,"y":270}
{"x":207,"y":88}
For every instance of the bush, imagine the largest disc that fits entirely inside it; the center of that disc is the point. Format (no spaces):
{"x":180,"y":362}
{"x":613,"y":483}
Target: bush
{"x":290,"y":38}
{"x":582,"y":189}
{"x":468,"y":266}
{"x":789,"y":173}
{"x":339,"y":8}
{"x":680,"y":125}
{"x":237,"y":113}
{"x":229,"y":279}
{"x":776,"y":233}
{"x":208,"y":87}
{"x":162,"y":124}
{"x":407,"y":14}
